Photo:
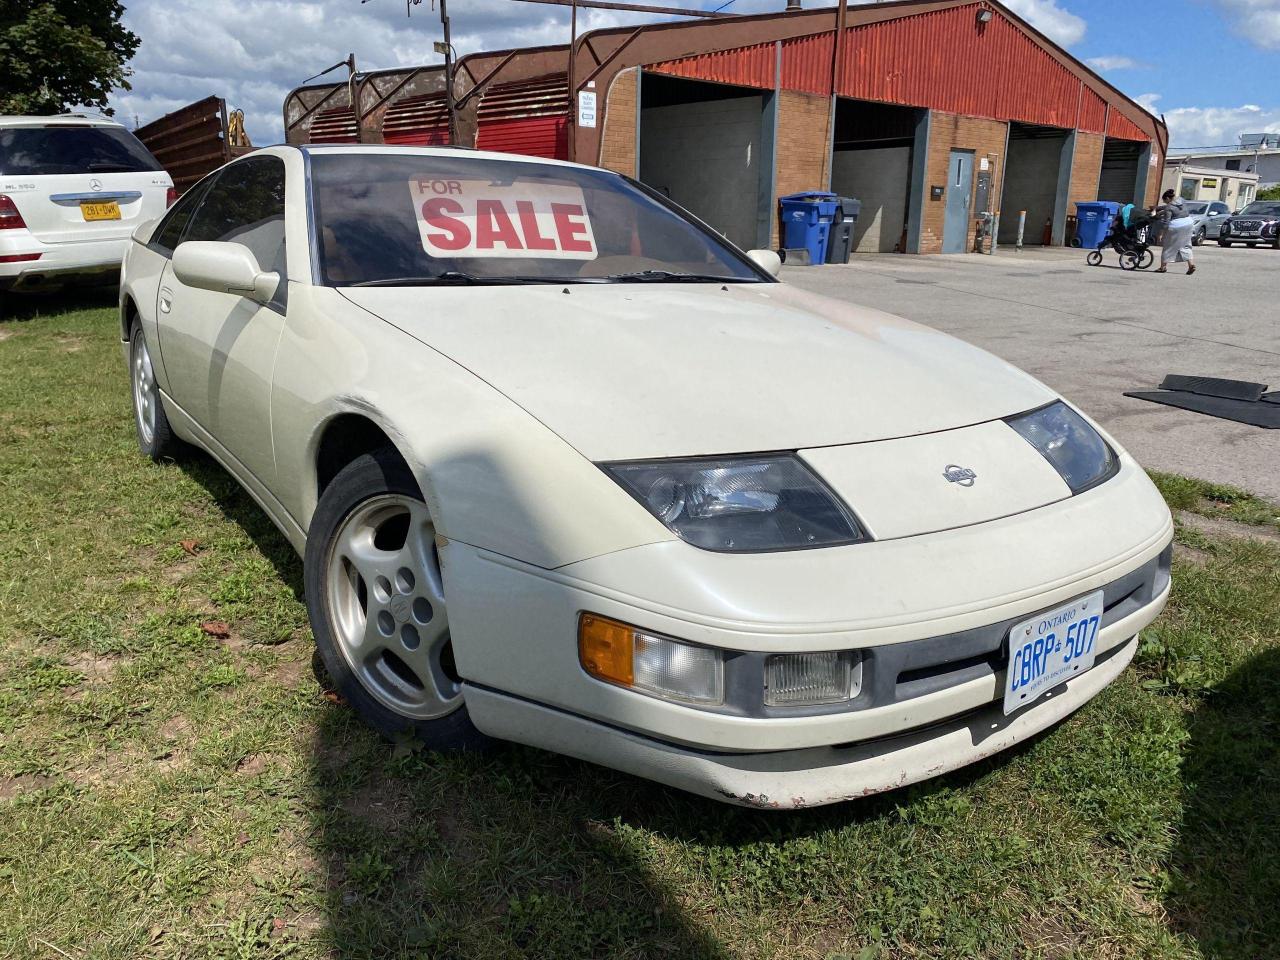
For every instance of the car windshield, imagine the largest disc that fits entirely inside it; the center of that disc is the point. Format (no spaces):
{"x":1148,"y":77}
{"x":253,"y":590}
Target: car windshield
{"x":1195,"y":209}
{"x":1262,"y":209}
{"x":70,"y":148}
{"x":402,"y":219}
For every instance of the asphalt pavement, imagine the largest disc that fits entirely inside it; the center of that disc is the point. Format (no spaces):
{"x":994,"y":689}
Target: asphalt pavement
{"x":1094,"y":332}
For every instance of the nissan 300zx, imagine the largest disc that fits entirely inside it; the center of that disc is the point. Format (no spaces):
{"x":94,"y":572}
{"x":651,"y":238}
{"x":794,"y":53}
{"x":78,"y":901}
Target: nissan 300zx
{"x":566,"y":468}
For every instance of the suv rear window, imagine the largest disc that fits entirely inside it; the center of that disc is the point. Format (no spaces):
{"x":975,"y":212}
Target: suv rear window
{"x":36,"y":151}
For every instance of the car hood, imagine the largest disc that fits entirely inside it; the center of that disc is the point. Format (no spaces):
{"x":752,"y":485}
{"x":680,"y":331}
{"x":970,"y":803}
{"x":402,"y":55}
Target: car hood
{"x":662,"y":370}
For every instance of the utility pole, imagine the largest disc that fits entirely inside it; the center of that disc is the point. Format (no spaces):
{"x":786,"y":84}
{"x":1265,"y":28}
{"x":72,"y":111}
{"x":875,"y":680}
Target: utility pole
{"x":450,"y":104}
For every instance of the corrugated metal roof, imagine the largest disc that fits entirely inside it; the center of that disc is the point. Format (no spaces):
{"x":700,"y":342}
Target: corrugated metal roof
{"x":529,"y":117}
{"x":1121,"y":127}
{"x":335,"y":126}
{"x":420,"y":121}
{"x":744,"y":67}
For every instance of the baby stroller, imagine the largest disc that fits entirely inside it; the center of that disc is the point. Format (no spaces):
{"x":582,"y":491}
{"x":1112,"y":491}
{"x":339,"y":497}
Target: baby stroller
{"x":1130,"y":237}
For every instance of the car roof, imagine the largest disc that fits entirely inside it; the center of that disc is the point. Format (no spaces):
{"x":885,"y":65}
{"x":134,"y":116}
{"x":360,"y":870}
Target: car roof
{"x":60,"y":120}
{"x":380,"y":149}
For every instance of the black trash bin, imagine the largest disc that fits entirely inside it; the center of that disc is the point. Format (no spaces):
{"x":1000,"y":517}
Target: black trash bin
{"x":840,"y":242}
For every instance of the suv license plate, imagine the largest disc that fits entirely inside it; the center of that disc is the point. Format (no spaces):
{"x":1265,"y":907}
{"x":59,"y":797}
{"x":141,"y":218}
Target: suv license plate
{"x":1050,"y":648}
{"x":101,"y":211}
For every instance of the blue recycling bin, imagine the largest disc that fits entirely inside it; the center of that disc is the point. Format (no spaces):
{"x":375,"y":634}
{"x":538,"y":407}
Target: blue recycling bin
{"x":1093,"y":221}
{"x":806,"y":222}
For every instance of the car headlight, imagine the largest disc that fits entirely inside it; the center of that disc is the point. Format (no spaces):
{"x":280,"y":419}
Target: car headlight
{"x":743,"y":504}
{"x":1066,"y":440}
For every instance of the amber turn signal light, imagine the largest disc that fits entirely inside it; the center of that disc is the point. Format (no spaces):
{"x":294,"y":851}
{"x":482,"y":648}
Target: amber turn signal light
{"x":605,"y":648}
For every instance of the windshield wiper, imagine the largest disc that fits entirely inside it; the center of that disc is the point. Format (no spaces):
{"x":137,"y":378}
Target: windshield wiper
{"x":449,"y":277}
{"x":670,"y":276}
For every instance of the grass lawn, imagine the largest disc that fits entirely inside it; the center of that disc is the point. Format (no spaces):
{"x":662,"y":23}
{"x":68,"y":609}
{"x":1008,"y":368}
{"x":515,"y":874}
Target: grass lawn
{"x":175,"y":783}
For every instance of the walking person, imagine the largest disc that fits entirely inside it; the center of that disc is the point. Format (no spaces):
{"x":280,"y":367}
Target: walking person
{"x":1179,"y":230}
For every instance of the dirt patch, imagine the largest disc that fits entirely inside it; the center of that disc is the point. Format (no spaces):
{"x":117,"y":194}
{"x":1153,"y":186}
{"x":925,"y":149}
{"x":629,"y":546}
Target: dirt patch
{"x":93,"y":668}
{"x":1219,"y":527}
{"x":70,"y":343}
{"x":11,"y":787}
{"x":6,"y":334}
{"x":1190,"y":554}
{"x":256,"y":764}
{"x":382,"y":806}
{"x":177,"y":728}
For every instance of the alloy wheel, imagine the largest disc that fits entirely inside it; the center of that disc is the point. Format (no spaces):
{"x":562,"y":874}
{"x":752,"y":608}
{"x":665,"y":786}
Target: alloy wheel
{"x":145,"y":394}
{"x":387,"y":607}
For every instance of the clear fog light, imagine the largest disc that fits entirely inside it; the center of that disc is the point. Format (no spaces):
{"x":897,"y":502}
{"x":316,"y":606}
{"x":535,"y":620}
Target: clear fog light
{"x":625,"y":655}
{"x":793,"y":679}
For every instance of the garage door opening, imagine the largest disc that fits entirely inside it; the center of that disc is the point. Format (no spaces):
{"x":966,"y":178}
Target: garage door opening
{"x":1121,"y":161}
{"x":709,"y":147}
{"x":1036,"y":173}
{"x":871,"y":162}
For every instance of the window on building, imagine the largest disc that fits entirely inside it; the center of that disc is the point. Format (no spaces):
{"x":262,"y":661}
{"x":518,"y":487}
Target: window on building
{"x":1233,"y":164}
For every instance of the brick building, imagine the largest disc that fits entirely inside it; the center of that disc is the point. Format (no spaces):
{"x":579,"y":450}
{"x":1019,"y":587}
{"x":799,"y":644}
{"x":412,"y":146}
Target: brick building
{"x":928,"y":111}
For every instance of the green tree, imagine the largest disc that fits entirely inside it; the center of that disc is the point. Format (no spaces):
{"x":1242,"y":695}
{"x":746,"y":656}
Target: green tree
{"x":1270,"y":193}
{"x":54,"y":56}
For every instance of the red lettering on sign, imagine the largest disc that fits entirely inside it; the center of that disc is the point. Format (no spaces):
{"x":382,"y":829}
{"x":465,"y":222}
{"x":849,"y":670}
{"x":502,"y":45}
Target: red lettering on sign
{"x":533,"y":240}
{"x":494,"y":226}
{"x":456,"y":235}
{"x":568,"y":229}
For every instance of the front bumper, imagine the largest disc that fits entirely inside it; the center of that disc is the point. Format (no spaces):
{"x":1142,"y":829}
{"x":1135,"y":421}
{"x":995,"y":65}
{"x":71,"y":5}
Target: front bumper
{"x":811,"y":777}
{"x":58,"y":262}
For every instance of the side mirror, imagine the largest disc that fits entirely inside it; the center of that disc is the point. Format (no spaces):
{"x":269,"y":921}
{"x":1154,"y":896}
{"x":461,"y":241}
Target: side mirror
{"x":766,"y":260}
{"x":224,"y":268}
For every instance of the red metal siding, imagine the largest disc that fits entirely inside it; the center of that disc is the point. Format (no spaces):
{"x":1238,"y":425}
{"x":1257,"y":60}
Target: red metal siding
{"x":335,"y":126}
{"x":1121,"y":127}
{"x":744,"y":67}
{"x":528,"y":117}
{"x":1093,"y":112}
{"x":806,"y":63}
{"x":420,"y":121}
{"x":948,"y":61}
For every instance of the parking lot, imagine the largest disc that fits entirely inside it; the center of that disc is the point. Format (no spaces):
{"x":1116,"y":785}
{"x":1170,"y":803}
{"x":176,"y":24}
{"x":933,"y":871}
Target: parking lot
{"x":1095,"y":332}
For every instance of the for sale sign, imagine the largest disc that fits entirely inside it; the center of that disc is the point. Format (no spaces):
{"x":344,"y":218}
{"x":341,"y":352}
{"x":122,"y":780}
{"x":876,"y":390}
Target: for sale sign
{"x":476,"y":218}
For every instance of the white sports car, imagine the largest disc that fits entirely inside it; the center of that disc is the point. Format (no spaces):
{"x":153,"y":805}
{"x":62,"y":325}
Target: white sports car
{"x":568,"y":469}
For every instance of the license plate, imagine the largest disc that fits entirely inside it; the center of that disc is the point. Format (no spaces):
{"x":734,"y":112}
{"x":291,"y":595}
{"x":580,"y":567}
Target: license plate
{"x":1050,"y":648}
{"x":101,"y":211}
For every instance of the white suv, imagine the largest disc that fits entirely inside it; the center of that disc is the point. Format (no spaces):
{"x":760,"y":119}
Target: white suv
{"x":72,"y":190}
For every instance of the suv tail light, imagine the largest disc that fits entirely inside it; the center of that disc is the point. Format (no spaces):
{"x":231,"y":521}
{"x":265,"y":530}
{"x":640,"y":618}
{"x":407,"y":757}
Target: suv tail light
{"x":170,"y":196}
{"x":10,"y":218}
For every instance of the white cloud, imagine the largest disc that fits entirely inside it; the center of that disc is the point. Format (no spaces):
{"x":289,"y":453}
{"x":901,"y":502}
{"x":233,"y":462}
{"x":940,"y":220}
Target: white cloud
{"x":1258,"y":21}
{"x":1115,"y":63}
{"x":253,"y":54}
{"x":1218,"y":126}
{"x":1059,"y":25}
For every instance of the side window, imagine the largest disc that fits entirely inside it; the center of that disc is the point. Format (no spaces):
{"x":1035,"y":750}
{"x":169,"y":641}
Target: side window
{"x":1220,"y":208}
{"x":169,"y":231}
{"x":245,"y":205}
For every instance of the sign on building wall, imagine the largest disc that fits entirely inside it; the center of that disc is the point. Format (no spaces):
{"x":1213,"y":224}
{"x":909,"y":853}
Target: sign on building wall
{"x":586,"y":108}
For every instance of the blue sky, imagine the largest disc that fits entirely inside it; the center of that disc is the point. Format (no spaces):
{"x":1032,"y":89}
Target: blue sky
{"x":1211,"y":66}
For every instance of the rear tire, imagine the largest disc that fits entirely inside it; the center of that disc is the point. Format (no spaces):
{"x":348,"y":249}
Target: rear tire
{"x":375,"y":597}
{"x":1224,"y":243}
{"x":1128,"y":261}
{"x":155,"y":437}
{"x":1146,"y":259}
{"x":1251,"y":246}
{"x":1198,"y":239}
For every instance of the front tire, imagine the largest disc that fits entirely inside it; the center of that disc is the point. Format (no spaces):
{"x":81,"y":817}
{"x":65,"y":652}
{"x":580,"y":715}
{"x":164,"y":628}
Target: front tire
{"x":376,"y":600}
{"x":1094,"y":258}
{"x":1224,"y":243}
{"x":155,"y":437}
{"x":1198,"y":239}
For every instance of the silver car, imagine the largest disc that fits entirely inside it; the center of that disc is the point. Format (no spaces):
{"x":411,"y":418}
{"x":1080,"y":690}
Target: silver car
{"x":1209,"y":217}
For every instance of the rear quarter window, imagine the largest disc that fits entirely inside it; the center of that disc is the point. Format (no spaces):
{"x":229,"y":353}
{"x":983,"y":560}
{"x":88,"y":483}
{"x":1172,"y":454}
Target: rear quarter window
{"x":69,"y":149}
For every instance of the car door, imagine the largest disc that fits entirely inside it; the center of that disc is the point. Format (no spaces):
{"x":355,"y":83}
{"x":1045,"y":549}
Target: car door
{"x":219,"y":348}
{"x":1218,"y":212}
